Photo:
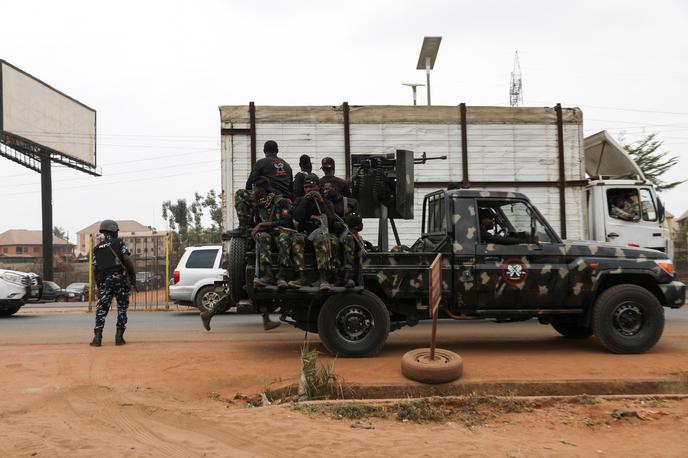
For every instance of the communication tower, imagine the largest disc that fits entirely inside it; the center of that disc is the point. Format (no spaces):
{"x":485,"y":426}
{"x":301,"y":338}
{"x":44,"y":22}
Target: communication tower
{"x":516,"y":86}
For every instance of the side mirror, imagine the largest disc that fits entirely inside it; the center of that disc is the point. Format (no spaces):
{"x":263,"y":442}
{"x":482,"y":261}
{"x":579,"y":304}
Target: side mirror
{"x":660,"y":210}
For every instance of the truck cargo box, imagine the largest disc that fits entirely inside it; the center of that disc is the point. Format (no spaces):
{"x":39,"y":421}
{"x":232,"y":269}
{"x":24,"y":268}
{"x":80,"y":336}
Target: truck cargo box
{"x":537,"y":151}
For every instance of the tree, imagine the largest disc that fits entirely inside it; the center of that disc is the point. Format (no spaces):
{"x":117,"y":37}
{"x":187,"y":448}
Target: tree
{"x":188,"y":219}
{"x":653,"y":163}
{"x":178,"y":216}
{"x":59,"y":232}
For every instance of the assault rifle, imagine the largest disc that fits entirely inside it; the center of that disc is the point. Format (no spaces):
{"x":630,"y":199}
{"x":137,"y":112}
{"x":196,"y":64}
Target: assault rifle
{"x":325,"y":231}
{"x":354,"y":234}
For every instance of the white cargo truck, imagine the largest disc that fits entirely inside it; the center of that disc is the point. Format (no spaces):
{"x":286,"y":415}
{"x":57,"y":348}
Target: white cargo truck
{"x":575,"y":182}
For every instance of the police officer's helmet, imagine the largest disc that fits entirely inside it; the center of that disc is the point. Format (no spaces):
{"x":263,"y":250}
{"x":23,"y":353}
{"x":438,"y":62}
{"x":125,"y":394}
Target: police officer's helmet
{"x":109,"y":225}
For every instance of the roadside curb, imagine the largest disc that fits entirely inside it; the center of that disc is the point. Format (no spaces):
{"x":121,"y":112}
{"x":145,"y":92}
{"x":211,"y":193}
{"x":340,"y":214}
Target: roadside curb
{"x":675,"y":386}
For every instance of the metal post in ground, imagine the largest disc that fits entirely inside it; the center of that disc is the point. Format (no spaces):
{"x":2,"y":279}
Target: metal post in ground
{"x":167,"y":271}
{"x":90,"y":273}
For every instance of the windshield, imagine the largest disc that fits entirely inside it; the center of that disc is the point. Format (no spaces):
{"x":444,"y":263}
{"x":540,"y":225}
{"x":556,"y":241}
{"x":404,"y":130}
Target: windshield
{"x":521,"y":218}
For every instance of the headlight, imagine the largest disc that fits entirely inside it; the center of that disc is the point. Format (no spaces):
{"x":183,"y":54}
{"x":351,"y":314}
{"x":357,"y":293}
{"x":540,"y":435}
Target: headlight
{"x":13,"y":278}
{"x":666,"y":265}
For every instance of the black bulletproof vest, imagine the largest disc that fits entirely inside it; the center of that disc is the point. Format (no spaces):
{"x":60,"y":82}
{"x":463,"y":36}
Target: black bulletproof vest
{"x":108,"y":256}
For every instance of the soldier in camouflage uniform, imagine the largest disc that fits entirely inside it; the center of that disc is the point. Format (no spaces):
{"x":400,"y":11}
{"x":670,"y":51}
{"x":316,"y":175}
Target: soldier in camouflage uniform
{"x":307,"y":210}
{"x":348,"y":220}
{"x":276,"y":170}
{"x":113,"y":271}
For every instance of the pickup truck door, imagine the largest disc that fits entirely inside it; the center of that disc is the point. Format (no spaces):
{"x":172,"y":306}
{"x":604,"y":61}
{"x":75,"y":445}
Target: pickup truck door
{"x":520,"y":276}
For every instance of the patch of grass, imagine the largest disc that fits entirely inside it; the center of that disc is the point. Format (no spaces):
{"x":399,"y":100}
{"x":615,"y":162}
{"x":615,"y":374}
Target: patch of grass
{"x":419,"y":412}
{"x":587,"y":400}
{"x":353,"y":411}
{"x":317,"y":381}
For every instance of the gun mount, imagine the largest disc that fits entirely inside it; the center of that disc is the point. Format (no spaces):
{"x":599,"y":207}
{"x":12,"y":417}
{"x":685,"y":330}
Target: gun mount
{"x":383,"y":184}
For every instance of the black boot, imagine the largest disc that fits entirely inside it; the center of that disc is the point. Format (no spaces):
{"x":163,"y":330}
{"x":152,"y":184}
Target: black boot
{"x":324,"y":284}
{"x":281,"y":278}
{"x":268,"y":324}
{"x":206,"y":317}
{"x":97,"y":338}
{"x":119,"y":337}
{"x":300,"y":281}
{"x":267,"y":279}
{"x":349,"y":279}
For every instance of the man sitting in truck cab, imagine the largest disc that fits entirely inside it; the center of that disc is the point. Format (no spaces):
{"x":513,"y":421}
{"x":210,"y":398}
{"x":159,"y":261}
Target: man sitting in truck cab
{"x":487,"y":223}
{"x":624,"y":208}
{"x":347,"y":226}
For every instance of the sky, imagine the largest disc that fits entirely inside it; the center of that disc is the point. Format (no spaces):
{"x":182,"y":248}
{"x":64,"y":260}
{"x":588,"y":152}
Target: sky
{"x":156,"y":72}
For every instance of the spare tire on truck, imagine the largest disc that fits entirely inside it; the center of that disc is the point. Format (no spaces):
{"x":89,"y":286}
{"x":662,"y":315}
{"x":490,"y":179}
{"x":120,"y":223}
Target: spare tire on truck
{"x":236,"y":268}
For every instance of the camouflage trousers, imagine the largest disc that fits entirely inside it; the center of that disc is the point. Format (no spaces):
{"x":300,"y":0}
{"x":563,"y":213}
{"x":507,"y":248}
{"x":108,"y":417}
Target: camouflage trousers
{"x":322,"y":255}
{"x":114,"y":285}
{"x":244,"y":203}
{"x":265,"y":242}
{"x":347,"y":245}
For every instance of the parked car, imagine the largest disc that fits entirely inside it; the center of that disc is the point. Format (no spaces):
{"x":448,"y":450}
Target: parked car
{"x":195,"y":276}
{"x":146,"y":281}
{"x":54,"y":292}
{"x":16,"y":288}
{"x":77,"y":292}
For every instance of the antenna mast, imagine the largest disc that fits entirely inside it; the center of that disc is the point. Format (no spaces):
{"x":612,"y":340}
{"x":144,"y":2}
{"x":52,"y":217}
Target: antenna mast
{"x":516,"y":86}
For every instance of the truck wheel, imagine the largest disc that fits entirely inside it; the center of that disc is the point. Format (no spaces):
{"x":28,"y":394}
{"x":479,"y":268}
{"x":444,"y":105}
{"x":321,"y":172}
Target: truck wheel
{"x":628,"y":319}
{"x":572,"y":330}
{"x":206,"y":298}
{"x":353,"y":324}
{"x":417,"y":365}
{"x":236,"y":268}
{"x":10,"y":311}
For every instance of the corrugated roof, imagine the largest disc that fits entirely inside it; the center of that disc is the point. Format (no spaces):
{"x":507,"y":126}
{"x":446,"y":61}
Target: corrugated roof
{"x":683,"y":216}
{"x":126,"y":225}
{"x":27,"y":237}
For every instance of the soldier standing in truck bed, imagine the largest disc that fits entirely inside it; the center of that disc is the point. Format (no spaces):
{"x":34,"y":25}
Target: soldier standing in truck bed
{"x":327,"y":166}
{"x":306,"y":168}
{"x":276,"y":170}
{"x":306,"y":213}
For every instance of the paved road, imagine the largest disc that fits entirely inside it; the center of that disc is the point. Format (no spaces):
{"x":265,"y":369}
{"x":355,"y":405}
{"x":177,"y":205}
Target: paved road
{"x":186,"y":327}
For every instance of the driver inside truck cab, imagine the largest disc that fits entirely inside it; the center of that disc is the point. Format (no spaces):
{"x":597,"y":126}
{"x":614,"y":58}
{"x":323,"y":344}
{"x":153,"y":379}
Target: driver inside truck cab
{"x":624,"y":207}
{"x":487,"y":218}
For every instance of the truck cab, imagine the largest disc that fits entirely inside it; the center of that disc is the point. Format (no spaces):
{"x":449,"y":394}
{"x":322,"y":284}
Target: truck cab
{"x":623,"y":206}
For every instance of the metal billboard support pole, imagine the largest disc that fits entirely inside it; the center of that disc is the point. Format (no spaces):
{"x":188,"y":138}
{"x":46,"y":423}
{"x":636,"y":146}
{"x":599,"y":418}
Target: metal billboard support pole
{"x":167,"y":271}
{"x":47,"y":210}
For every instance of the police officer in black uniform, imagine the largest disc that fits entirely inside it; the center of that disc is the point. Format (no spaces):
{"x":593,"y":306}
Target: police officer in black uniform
{"x":114,"y":271}
{"x":327,"y":166}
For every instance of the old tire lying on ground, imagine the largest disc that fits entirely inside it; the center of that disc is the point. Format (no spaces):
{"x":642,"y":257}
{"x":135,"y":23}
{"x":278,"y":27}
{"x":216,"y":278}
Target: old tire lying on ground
{"x":206,"y":298}
{"x":236,"y":268}
{"x":628,"y":319}
{"x":417,"y":365}
{"x":353,"y":324}
{"x":9,"y":311}
{"x":572,"y":330}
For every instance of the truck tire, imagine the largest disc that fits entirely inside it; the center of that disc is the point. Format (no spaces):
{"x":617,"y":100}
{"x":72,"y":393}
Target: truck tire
{"x":628,"y":319}
{"x":417,"y":365}
{"x":353,"y":324}
{"x":236,"y":268}
{"x":9,"y":311}
{"x":206,"y":298}
{"x":572,"y":330}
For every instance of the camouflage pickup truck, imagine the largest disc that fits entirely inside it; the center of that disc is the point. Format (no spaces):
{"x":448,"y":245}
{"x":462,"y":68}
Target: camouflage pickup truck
{"x":581,"y":288}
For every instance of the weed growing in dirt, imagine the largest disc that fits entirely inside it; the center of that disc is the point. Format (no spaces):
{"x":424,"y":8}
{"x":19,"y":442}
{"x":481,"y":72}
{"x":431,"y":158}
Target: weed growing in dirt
{"x":316,"y":382}
{"x":345,"y":411}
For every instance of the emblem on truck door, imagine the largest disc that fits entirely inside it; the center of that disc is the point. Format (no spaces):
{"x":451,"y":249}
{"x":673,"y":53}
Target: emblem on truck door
{"x":514,"y":271}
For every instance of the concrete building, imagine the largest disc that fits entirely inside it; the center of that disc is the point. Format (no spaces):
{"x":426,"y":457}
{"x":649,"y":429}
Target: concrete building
{"x":143,"y":241}
{"x":23,"y":243}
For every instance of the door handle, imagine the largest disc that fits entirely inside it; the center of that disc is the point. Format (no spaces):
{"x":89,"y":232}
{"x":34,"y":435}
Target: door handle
{"x":612,"y":234}
{"x":491,"y":258}
{"x":657,"y":234}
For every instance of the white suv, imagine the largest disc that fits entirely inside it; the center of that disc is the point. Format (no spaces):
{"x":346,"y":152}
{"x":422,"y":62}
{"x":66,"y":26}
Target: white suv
{"x":195,"y":276}
{"x":16,"y":288}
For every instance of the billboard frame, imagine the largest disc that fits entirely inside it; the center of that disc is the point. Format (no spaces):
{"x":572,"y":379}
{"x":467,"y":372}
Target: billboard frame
{"x":29,"y":153}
